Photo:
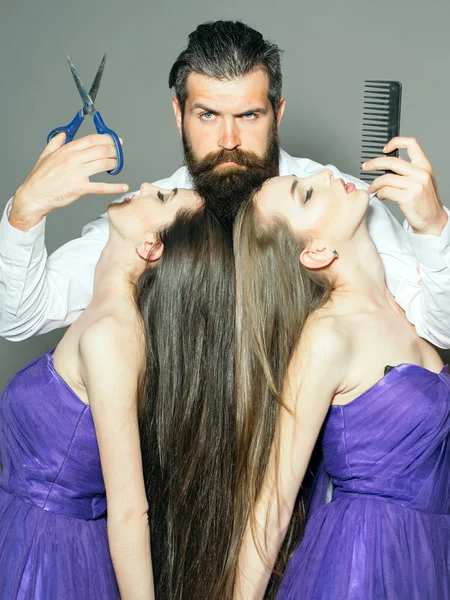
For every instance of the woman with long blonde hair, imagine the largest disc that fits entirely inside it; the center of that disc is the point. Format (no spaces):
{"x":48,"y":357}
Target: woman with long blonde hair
{"x":324,"y":351}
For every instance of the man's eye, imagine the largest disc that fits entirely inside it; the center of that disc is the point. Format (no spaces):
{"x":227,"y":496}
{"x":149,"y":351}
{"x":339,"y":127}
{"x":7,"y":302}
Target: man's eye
{"x":160,"y":195}
{"x":249,"y":116}
{"x":208,"y":116}
{"x":309,"y":193}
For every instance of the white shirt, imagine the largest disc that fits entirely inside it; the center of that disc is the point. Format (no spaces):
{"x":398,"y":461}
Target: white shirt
{"x":40,"y":293}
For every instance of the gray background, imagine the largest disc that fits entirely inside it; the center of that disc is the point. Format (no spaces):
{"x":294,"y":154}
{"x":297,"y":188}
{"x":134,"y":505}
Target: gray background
{"x":330,"y":49}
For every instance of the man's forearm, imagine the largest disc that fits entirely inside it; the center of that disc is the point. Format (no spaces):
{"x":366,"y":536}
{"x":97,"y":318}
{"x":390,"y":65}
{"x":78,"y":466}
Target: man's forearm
{"x":435,"y":227}
{"x":22,"y":217}
{"x":36,"y":294}
{"x":40,"y":293}
{"x":430,"y":310}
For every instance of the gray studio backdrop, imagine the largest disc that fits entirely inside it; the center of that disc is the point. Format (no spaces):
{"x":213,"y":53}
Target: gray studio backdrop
{"x":330,"y":48}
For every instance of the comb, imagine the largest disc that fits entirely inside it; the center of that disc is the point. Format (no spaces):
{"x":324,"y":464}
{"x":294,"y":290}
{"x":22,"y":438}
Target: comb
{"x":381,"y":120}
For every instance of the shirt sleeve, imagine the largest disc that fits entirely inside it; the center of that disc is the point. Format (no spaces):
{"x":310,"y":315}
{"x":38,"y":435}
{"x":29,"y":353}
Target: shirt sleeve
{"x":417,"y":269}
{"x":39,"y":293}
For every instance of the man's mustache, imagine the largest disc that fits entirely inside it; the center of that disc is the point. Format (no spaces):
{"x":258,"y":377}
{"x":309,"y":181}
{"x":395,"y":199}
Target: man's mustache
{"x":240,"y":157}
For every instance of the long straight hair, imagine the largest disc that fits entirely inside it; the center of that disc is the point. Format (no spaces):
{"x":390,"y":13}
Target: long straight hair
{"x":187,"y":410}
{"x":275,"y":295}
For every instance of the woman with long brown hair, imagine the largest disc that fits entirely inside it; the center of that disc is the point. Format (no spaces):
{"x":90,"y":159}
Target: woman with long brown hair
{"x":152,"y":354}
{"x":322,"y":345}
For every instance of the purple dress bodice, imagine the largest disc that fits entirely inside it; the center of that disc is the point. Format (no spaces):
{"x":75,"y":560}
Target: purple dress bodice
{"x":48,"y":447}
{"x":385,"y":534}
{"x":392,"y":441}
{"x":53,"y":533}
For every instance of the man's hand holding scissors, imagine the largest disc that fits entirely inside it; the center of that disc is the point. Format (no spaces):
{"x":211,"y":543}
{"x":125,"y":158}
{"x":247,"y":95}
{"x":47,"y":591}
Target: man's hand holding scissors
{"x":61,"y":176}
{"x":62,"y":173}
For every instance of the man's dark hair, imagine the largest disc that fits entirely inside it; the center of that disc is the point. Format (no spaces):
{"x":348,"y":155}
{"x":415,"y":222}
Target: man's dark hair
{"x":227,"y":50}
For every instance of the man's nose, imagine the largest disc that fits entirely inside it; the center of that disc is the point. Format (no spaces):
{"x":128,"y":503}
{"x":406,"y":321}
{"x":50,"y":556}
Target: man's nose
{"x":229,"y":137}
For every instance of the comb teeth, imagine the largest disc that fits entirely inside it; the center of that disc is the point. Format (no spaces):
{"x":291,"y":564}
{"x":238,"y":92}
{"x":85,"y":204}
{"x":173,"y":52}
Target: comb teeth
{"x":381,"y":120}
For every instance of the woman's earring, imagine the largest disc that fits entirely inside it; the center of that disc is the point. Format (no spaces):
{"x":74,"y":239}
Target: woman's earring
{"x":335,"y":252}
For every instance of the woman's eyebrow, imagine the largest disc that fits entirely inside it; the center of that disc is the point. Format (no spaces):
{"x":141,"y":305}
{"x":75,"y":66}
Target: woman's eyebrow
{"x":293,"y":186}
{"x":173,"y":194}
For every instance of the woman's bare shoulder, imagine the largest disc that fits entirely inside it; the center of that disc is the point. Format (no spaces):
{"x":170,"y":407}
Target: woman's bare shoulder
{"x":111,"y":342}
{"x":326,"y":335}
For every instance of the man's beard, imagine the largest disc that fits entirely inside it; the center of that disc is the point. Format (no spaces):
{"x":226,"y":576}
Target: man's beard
{"x":225,"y":189}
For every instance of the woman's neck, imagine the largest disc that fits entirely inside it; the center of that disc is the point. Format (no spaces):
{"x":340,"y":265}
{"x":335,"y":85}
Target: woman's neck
{"x":360,"y":278}
{"x":115,"y":274}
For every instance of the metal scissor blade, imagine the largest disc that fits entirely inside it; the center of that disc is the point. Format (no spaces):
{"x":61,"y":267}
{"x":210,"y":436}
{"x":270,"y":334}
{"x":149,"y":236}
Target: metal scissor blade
{"x":88,"y":104}
{"x":96,"y":84}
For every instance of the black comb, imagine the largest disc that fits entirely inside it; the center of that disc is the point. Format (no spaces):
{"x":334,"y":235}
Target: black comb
{"x":381,"y":120}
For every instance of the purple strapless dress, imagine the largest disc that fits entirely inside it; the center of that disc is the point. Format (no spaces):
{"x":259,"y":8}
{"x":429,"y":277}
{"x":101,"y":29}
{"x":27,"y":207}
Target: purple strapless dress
{"x":53,"y":539}
{"x":385,"y":535}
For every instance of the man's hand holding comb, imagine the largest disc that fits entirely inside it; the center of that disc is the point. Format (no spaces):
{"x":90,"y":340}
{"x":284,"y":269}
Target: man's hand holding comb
{"x":411,"y":185}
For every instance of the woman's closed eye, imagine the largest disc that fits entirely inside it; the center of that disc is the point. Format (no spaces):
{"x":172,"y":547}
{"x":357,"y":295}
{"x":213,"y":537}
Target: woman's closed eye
{"x":309,"y":193}
{"x":165,"y":197}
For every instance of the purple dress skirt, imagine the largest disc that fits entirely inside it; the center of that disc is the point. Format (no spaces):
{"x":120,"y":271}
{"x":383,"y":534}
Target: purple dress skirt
{"x":386,"y":532}
{"x":53,"y":539}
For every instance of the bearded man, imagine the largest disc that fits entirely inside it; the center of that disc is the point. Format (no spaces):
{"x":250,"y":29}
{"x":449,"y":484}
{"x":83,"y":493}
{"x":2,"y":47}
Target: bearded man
{"x":228,"y":107}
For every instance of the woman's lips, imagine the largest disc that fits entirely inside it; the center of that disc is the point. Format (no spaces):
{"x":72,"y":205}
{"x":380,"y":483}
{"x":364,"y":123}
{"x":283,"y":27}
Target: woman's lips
{"x":348,"y":187}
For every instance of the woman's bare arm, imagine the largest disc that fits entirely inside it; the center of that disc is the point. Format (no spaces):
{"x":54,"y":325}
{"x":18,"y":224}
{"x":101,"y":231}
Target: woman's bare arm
{"x":315,"y":374}
{"x":110,"y":370}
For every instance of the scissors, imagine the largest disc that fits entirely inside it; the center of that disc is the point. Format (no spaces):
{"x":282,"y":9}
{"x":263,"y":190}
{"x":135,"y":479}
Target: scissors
{"x":89,"y":109}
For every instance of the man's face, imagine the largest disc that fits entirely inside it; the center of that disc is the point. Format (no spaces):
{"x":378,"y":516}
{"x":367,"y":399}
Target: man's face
{"x":227,"y":114}
{"x":230,"y":138}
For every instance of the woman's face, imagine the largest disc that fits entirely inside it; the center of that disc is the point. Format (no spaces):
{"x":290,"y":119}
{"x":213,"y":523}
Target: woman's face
{"x":321,"y":205}
{"x":142,"y":215}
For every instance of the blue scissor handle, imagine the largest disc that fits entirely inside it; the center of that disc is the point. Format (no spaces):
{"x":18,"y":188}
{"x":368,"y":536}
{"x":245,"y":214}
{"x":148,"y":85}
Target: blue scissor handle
{"x":102,"y":128}
{"x":70,"y":130}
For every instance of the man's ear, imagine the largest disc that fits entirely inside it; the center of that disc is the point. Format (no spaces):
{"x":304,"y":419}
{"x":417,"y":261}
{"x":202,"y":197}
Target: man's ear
{"x":280,"y":111}
{"x":178,"y":114}
{"x":317,"y":257}
{"x":150,"y":250}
